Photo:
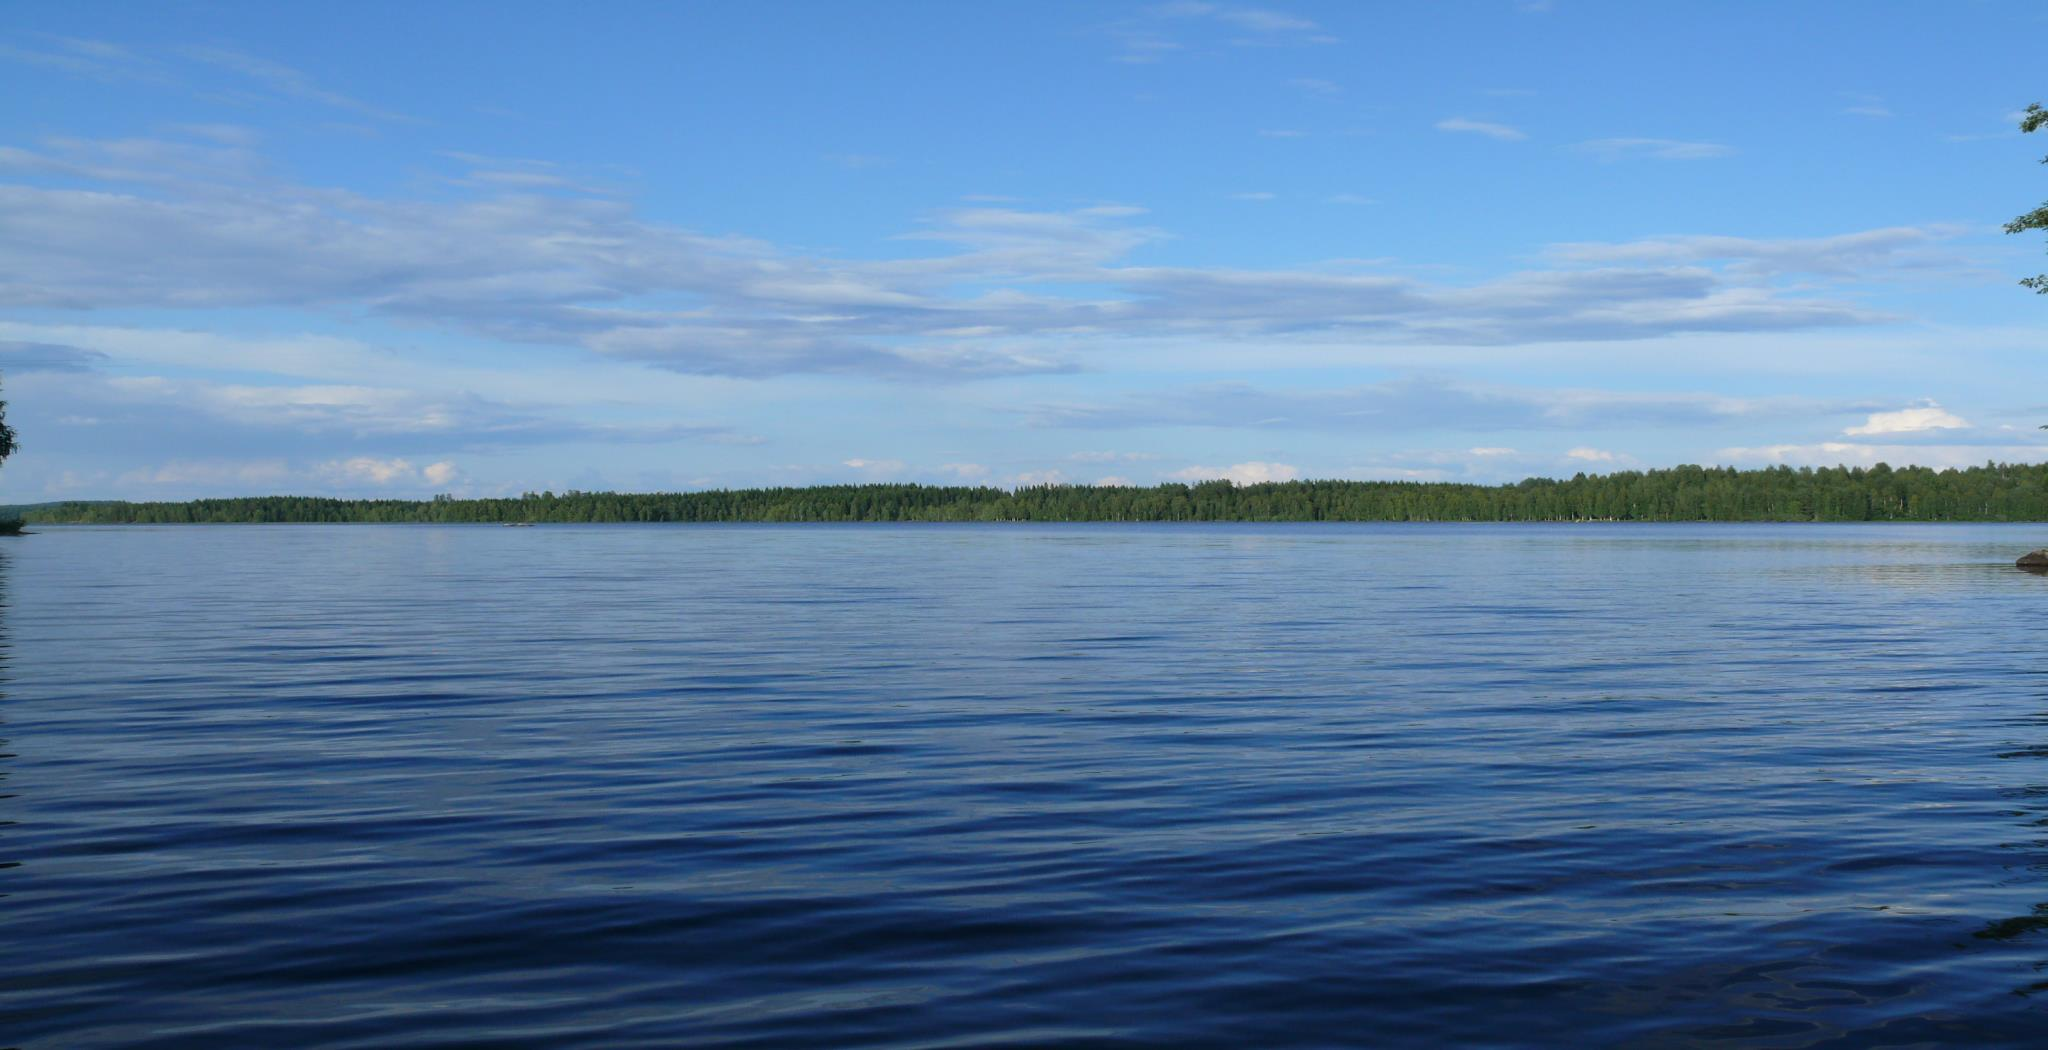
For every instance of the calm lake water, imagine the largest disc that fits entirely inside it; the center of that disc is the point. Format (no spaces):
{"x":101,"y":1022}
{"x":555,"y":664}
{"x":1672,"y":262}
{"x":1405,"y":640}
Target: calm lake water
{"x":934,"y":786}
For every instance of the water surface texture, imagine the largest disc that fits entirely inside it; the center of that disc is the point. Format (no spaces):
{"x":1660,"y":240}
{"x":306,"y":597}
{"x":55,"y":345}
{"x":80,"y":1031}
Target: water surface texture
{"x":937,"y":786}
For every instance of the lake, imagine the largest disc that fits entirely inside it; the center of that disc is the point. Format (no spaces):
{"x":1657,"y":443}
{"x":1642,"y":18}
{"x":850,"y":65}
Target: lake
{"x":961,"y":786}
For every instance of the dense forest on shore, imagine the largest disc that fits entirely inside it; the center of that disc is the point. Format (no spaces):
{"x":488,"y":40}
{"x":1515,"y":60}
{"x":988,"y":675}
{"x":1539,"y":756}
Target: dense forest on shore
{"x":1994,"y":492}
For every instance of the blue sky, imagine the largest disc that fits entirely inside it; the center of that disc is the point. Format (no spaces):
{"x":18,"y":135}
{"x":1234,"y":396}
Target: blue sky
{"x":384,"y":249}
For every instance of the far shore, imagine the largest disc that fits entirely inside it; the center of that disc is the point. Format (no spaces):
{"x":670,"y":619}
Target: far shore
{"x":2015,"y":493}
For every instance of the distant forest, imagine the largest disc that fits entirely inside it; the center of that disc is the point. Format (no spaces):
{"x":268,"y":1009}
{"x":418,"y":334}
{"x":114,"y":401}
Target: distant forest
{"x":1994,"y":492}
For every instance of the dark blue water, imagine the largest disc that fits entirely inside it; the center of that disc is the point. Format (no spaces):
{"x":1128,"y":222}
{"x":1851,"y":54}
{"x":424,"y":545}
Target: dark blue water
{"x":1289,"y":785}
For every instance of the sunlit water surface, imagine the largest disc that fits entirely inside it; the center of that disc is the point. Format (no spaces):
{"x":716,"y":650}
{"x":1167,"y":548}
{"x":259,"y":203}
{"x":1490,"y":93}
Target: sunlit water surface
{"x":930,"y":786}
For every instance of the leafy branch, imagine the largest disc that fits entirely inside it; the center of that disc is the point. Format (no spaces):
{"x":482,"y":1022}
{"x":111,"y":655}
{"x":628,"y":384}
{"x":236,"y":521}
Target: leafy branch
{"x":2034,"y":118}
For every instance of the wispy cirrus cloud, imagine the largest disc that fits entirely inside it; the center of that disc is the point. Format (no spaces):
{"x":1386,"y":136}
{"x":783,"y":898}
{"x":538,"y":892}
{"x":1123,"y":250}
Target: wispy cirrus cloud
{"x":1111,"y":457}
{"x":1852,"y":254}
{"x":98,"y":60}
{"x":116,"y":411}
{"x":1421,"y":404}
{"x":195,"y":166}
{"x":1264,"y":24}
{"x":1004,"y":291}
{"x":1157,"y":32}
{"x":1653,"y":149}
{"x":283,"y":80}
{"x":17,"y":356}
{"x":859,"y":161}
{"x":1487,"y":128}
{"x":181,"y":66}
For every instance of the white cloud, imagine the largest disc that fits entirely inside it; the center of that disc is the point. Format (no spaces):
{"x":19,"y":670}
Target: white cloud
{"x":1928,"y":416}
{"x":211,"y":473}
{"x":369,"y":469}
{"x":1111,"y":457}
{"x":1399,"y":474}
{"x":1654,"y":149}
{"x":1481,"y":127}
{"x":1588,"y":454}
{"x":509,"y":253}
{"x":1031,"y":478}
{"x":1857,"y":454}
{"x":877,"y":466}
{"x":286,"y":411}
{"x":1251,"y":473}
{"x":1114,"y":481}
{"x":185,"y":478}
{"x":1418,"y":404}
{"x":1481,"y":465}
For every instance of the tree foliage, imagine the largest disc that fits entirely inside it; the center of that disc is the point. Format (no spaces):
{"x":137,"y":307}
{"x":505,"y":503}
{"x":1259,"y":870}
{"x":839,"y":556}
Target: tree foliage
{"x":1993,"y":492}
{"x":2033,"y":119}
{"x":6,"y":434}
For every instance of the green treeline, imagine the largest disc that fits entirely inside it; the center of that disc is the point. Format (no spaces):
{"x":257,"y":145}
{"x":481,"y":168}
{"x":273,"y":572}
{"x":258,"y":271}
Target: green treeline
{"x":1993,"y":492}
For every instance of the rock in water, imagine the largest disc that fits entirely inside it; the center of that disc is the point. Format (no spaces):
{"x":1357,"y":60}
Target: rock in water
{"x":2034,"y":559}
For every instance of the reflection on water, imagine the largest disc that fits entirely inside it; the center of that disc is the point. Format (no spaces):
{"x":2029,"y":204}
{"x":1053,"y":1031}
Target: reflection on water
{"x":2004,"y":929}
{"x":6,"y":745}
{"x":2031,"y":806}
{"x":1099,"y":785}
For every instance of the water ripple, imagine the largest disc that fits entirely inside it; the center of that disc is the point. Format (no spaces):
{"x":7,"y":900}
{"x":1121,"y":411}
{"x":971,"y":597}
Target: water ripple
{"x":1115,"y":786}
